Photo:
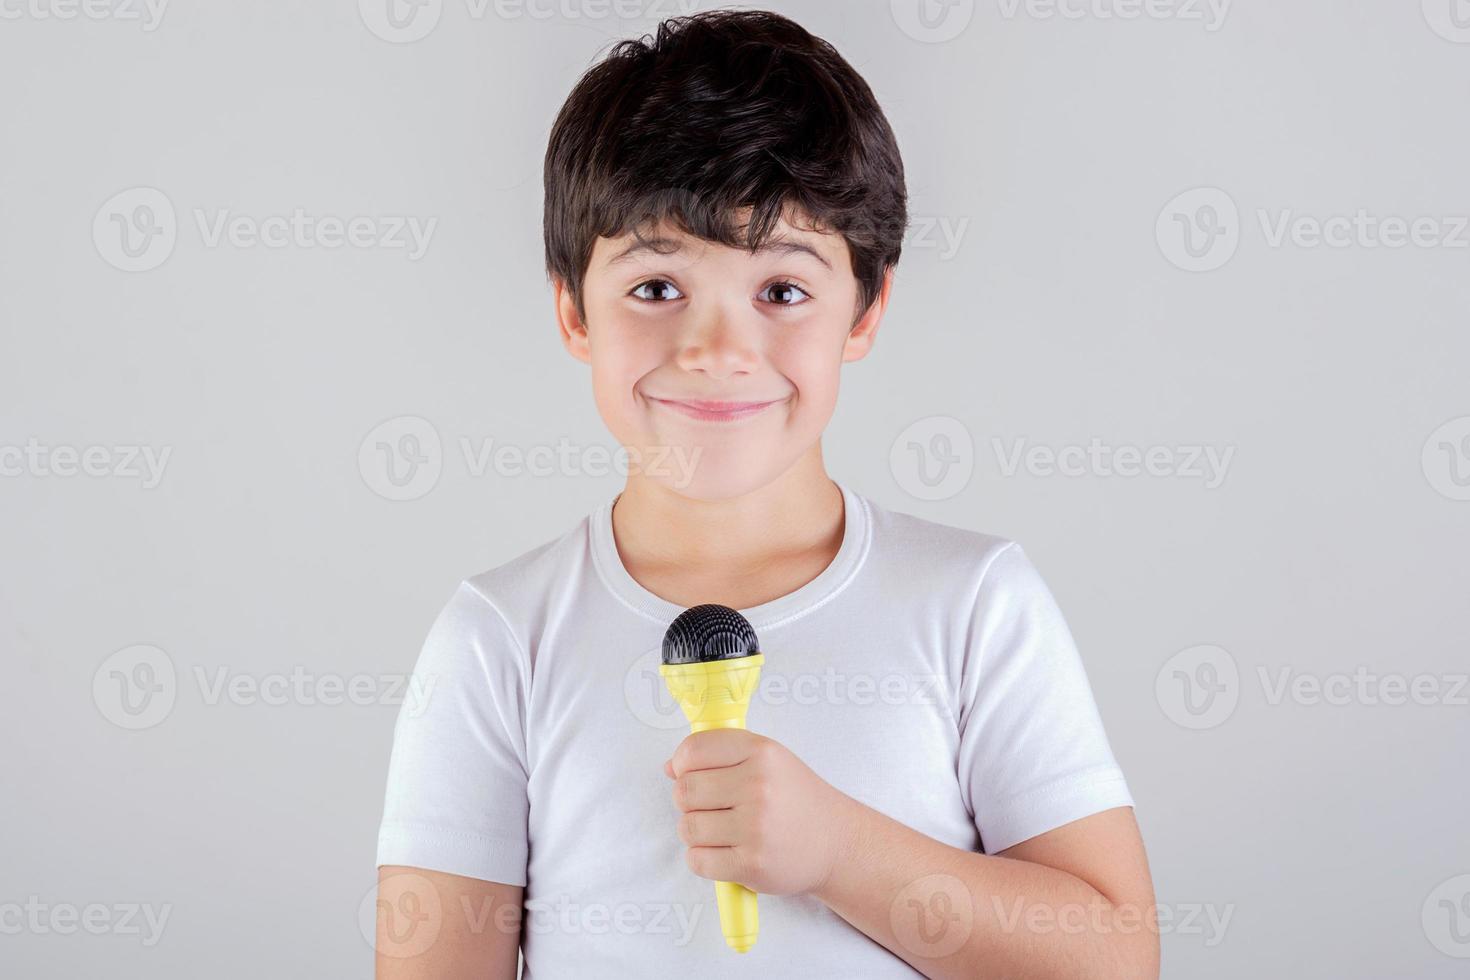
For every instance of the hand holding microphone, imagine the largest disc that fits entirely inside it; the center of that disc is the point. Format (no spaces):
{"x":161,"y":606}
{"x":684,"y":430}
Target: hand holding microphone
{"x":754,"y":811}
{"x":711,"y":664}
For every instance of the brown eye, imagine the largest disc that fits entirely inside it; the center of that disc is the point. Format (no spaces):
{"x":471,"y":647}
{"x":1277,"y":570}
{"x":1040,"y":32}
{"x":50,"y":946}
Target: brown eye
{"x":661,"y":286}
{"x":786,"y":294}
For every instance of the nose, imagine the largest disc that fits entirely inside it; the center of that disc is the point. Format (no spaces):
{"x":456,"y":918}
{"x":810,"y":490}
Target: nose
{"x":718,"y":344}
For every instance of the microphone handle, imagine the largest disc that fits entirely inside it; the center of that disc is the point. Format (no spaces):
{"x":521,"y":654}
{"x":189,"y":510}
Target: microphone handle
{"x":739,"y":914}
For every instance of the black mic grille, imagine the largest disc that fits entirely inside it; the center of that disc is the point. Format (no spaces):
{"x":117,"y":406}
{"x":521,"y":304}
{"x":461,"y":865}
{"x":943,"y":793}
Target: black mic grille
{"x":708,"y":632}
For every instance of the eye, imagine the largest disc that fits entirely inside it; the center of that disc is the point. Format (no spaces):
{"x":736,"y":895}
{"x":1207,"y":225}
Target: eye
{"x":783,"y":294}
{"x":662,"y":285}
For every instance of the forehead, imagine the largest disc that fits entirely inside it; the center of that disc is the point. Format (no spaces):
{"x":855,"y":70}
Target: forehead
{"x":665,"y":240}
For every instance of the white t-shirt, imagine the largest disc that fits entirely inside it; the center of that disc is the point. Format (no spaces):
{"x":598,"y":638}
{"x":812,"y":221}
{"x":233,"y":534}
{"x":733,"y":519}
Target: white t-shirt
{"x":926,"y":672}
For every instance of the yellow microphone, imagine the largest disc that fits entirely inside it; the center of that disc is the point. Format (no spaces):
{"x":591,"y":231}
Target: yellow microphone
{"x":711,"y":664}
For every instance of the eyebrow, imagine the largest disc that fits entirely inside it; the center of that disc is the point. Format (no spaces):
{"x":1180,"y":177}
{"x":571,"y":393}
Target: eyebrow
{"x":663,"y":246}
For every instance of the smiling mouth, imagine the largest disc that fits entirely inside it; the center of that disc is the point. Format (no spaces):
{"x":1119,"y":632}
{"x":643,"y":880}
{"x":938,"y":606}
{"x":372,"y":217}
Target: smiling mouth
{"x":711,"y":411}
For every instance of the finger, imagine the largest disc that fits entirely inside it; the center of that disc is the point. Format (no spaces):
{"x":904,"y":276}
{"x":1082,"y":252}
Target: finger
{"x":714,"y":749}
{"x":709,"y":828}
{"x":708,"y":789}
{"x":715,"y":863}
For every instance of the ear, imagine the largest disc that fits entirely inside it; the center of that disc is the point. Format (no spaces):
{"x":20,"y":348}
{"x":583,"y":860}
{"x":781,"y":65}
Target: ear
{"x":573,"y":329}
{"x":860,"y":338}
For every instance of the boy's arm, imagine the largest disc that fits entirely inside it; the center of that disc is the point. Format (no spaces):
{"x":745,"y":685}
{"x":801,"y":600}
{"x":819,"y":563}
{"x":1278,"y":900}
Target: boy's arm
{"x":456,"y":801}
{"x":437,"y":926}
{"x":1075,"y":902}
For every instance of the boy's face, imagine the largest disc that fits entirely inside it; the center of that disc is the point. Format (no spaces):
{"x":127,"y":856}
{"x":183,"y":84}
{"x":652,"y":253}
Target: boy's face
{"x":707,"y":323}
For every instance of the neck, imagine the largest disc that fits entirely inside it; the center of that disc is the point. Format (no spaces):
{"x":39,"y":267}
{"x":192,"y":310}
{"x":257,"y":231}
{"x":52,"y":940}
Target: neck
{"x":800,"y":512}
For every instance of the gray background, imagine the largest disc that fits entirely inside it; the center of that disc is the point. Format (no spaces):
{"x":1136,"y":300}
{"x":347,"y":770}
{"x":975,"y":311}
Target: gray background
{"x":1333,"y":835}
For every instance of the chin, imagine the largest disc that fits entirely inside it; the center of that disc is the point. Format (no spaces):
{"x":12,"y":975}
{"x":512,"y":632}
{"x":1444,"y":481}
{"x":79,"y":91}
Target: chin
{"x":712,"y":475}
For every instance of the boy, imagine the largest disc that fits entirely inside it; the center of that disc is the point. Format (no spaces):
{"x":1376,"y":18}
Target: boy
{"x":724,"y":207}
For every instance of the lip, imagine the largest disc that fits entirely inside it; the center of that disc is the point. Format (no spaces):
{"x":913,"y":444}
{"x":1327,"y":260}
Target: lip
{"x":715,"y":411}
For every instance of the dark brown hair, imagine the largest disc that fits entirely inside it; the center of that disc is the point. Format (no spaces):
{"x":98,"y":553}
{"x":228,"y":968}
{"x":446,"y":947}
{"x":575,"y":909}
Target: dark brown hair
{"x":720,"y":111}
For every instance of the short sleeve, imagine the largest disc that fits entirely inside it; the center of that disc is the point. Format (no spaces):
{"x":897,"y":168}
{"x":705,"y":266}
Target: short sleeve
{"x":456,"y":796}
{"x":1032,"y":751}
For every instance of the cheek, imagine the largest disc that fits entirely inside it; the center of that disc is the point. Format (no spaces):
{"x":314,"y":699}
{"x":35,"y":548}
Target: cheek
{"x":623,"y":353}
{"x":812,"y":361}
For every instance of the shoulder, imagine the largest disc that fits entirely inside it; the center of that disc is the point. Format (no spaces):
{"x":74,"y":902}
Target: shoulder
{"x":511,"y":597}
{"x":931,"y":552}
{"x":514,"y":585}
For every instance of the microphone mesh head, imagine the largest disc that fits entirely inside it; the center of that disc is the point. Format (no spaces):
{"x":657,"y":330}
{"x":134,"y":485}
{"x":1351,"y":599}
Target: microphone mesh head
{"x":708,"y":632}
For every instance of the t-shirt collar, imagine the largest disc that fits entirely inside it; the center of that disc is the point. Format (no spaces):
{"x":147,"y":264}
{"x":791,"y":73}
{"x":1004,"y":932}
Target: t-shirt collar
{"x":856,"y":537}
